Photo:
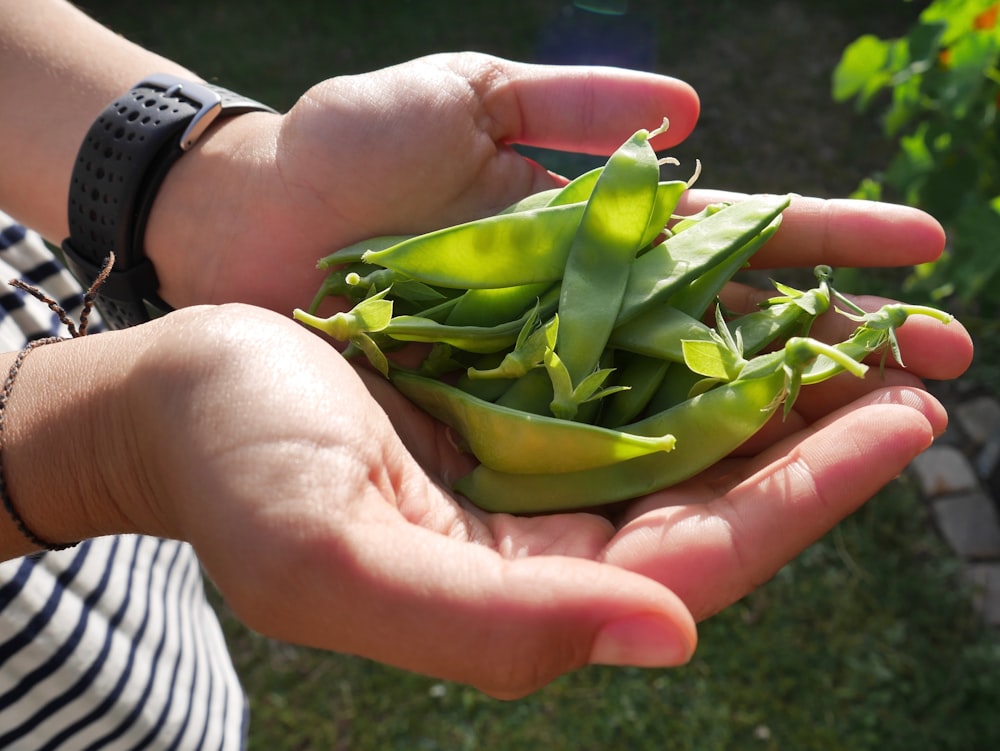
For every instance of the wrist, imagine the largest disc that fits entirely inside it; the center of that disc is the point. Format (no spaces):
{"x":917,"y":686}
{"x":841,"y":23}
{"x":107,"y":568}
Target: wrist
{"x":127,"y":153}
{"x":204,"y":203}
{"x":68,"y":444}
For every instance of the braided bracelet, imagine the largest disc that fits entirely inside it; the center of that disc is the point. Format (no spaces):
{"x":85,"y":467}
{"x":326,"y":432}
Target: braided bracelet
{"x":8,"y":388}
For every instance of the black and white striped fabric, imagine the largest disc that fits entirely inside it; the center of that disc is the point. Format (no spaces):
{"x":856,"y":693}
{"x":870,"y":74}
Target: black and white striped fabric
{"x":111,"y":644}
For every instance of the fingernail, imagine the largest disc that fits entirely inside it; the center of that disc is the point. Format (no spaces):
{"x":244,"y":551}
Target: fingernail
{"x":644,"y":641}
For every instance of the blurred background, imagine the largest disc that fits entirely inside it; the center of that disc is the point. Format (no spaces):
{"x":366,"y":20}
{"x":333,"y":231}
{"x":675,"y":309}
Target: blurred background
{"x":868,"y":639}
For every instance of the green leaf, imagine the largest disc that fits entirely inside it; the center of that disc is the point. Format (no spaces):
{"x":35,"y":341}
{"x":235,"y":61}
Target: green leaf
{"x":906,"y":104}
{"x":862,"y":62}
{"x":971,"y":57}
{"x":711,"y":359}
{"x":923,"y":43}
{"x":372,"y":351}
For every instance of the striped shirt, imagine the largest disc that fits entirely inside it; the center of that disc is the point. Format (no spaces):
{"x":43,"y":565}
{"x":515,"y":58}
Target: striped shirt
{"x":110,"y":644}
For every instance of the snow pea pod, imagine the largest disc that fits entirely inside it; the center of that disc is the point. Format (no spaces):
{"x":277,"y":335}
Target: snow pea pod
{"x":353,"y":253}
{"x":658,"y":333}
{"x":606,"y":242}
{"x":702,"y":290}
{"x":489,"y":307}
{"x":876,"y":332}
{"x":513,"y":441}
{"x":781,"y":318}
{"x":791,"y":313}
{"x":480,"y":339}
{"x":641,"y":376}
{"x":575,"y":191}
{"x":505,"y":250}
{"x":707,"y":428}
{"x":661,"y":272}
{"x":668,"y":195}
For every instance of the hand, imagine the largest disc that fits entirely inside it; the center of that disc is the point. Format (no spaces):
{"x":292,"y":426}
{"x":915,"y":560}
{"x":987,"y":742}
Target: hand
{"x":266,"y":451}
{"x":262,"y":446}
{"x":406,"y":149}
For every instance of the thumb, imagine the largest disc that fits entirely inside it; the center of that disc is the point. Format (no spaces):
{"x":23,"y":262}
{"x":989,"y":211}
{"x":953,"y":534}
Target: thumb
{"x":409,"y":597}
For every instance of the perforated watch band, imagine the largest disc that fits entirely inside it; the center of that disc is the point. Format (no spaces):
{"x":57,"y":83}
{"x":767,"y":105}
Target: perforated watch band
{"x":123,"y":160}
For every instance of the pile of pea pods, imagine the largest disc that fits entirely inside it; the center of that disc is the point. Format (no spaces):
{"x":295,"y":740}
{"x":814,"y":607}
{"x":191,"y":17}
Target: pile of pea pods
{"x":565,"y":339}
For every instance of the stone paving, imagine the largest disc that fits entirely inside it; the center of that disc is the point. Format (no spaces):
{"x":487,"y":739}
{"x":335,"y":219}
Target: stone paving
{"x":959,"y":477}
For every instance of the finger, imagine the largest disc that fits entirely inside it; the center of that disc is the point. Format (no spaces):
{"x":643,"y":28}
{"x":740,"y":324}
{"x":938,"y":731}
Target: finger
{"x":440,"y":606}
{"x":586,"y":109}
{"x":840,"y":232}
{"x":725,"y":535}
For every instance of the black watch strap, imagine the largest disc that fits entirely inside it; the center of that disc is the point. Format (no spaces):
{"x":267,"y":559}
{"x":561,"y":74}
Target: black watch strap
{"x":118,"y":171}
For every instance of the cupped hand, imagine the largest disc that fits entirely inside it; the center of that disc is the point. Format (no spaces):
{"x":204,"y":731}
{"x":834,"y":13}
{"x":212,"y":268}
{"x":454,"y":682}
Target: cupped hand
{"x":716,"y":537}
{"x":263,"y":447}
{"x":401,"y":150}
{"x":327,"y":525}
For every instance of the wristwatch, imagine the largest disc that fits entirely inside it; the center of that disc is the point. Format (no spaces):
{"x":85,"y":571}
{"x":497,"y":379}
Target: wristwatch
{"x":123,"y":160}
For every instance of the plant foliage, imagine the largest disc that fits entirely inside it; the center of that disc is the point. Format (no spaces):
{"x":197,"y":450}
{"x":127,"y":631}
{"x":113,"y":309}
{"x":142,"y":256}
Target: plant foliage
{"x":939,"y":87}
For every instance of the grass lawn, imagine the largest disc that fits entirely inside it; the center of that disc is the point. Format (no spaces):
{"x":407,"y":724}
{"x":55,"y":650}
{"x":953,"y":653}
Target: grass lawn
{"x":867,"y":640}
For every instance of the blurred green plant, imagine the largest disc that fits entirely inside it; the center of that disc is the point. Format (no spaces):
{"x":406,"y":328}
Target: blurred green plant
{"x":940,"y":89}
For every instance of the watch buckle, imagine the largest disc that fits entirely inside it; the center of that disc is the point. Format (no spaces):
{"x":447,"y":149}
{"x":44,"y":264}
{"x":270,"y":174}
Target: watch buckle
{"x":209,"y":103}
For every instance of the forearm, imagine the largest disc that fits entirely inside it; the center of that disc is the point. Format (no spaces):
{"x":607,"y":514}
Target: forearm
{"x":69,"y":454}
{"x":58,"y":70}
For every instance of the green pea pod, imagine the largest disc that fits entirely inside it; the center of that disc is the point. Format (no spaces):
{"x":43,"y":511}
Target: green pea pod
{"x":512,"y":441}
{"x":530,"y":393}
{"x":353,"y":253}
{"x":528,"y":353}
{"x":792,"y":313}
{"x":506,"y":250}
{"x":676,"y":387}
{"x":668,"y":195}
{"x":779,"y":319}
{"x":489,"y":307}
{"x":605,"y":245}
{"x":577,"y":190}
{"x":662,"y":271}
{"x":708,"y":427}
{"x":532,"y":202}
{"x":641,"y":376}
{"x":480,"y":339}
{"x":702,"y":291}
{"x":686,"y":222}
{"x":658,"y":332}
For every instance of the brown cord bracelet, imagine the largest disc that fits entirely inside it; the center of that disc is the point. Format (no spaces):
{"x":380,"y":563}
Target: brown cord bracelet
{"x":8,"y":388}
